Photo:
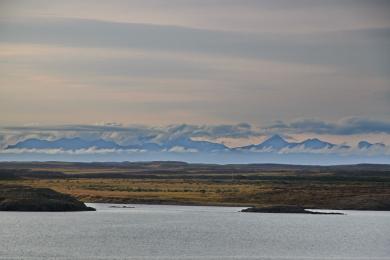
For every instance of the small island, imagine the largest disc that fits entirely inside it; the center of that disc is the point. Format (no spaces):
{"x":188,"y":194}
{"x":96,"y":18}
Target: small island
{"x":25,"y":198}
{"x":286,"y":209}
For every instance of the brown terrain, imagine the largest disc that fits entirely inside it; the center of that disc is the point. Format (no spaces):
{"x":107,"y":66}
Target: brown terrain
{"x":363,"y":187}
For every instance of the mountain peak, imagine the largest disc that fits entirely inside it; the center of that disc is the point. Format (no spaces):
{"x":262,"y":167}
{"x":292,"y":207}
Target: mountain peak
{"x":315,"y":143}
{"x":313,"y":140}
{"x":275,"y":137}
{"x":274,"y":142}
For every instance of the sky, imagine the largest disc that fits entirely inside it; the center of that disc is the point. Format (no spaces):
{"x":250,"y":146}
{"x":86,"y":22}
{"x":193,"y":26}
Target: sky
{"x":300,"y":68}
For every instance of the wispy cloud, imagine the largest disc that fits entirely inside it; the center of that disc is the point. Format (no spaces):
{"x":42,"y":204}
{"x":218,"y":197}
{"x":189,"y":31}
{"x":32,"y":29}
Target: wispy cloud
{"x":341,"y":48}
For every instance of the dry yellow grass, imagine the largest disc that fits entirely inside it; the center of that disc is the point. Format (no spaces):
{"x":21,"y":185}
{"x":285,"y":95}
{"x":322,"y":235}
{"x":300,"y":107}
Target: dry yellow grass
{"x":313,"y":194}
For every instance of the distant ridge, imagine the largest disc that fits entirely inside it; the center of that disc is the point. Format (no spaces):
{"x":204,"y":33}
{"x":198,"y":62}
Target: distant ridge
{"x":315,"y":143}
{"x":367,"y":145}
{"x":184,"y":144}
{"x":276,"y":142}
{"x":77,"y":143}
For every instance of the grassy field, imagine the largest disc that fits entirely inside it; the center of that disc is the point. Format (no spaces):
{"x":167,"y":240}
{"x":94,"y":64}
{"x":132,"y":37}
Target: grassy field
{"x":339,"y":187}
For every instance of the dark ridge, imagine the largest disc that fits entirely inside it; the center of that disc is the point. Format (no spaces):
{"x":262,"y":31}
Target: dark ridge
{"x":24,"y":198}
{"x":287,"y":209}
{"x":8,"y":174}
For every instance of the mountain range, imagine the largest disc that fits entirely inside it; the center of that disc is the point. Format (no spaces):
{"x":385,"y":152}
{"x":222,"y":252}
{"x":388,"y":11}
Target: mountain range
{"x":274,"y":143}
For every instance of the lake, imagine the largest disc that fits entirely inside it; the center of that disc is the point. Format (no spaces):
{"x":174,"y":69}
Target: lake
{"x":192,"y":232}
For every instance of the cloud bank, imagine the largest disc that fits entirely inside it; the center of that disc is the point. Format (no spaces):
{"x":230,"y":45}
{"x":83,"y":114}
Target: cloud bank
{"x":345,"y":126}
{"x":127,"y":135}
{"x":157,"y":62}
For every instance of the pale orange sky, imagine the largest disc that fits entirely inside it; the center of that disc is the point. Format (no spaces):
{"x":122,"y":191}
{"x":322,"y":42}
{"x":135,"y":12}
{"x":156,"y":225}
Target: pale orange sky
{"x":197,"y":62}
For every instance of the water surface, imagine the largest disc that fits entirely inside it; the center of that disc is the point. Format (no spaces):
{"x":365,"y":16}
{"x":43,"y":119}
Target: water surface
{"x":192,"y":232}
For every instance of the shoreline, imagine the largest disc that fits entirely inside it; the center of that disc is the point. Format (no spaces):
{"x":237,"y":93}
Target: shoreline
{"x":221,"y":205}
{"x":170,"y":203}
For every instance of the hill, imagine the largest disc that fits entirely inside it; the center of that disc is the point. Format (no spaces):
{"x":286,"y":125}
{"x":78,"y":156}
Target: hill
{"x":24,"y":198}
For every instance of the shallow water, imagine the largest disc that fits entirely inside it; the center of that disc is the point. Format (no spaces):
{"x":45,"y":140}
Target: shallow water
{"x":192,"y":232}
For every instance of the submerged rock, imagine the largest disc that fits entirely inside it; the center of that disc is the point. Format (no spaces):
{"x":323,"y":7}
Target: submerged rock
{"x":122,"y":207}
{"x":286,"y":209}
{"x":24,"y":198}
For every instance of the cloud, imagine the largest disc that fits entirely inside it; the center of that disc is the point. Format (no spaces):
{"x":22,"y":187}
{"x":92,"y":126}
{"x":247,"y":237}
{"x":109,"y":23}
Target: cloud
{"x":242,"y":130}
{"x":180,"y":149}
{"x":345,"y":126}
{"x":126,"y":135}
{"x":162,"y":73}
{"x":357,"y":48}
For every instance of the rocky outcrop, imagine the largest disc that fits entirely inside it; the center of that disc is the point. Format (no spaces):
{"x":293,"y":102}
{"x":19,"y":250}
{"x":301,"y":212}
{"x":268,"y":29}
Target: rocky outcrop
{"x":285,"y":209}
{"x":24,"y":198}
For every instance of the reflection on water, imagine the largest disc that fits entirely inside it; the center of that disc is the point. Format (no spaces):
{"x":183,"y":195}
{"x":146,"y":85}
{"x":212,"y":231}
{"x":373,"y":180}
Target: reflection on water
{"x":189,"y":232}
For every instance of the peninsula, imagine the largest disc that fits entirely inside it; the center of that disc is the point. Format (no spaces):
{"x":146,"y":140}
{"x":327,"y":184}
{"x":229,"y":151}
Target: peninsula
{"x":24,"y":198}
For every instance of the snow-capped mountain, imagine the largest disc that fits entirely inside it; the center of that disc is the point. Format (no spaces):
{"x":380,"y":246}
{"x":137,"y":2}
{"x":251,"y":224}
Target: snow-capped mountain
{"x":314,"y":143}
{"x":183,"y":144}
{"x":276,"y":142}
